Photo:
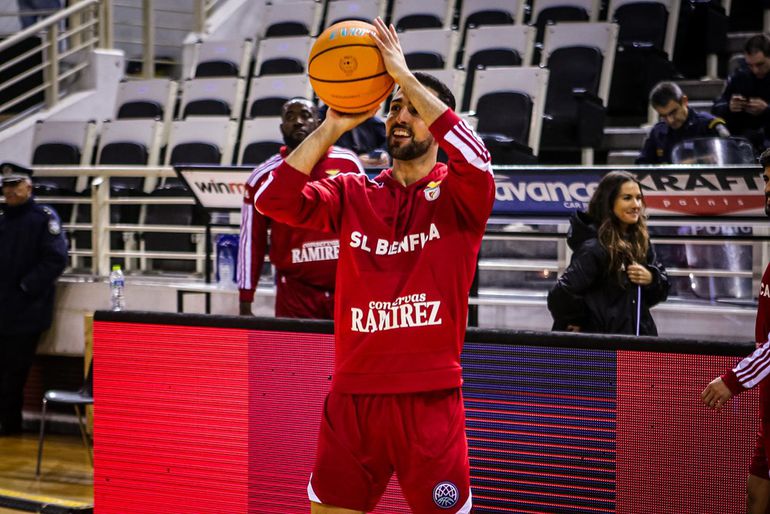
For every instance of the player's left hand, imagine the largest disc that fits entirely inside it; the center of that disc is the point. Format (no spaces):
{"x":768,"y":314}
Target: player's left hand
{"x":639,"y":274}
{"x":716,"y":394}
{"x":390,"y":48}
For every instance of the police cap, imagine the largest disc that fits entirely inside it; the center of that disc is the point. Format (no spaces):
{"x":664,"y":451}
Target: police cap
{"x":11,"y":173}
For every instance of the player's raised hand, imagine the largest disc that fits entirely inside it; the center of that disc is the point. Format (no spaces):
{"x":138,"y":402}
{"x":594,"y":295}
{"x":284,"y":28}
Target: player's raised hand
{"x":341,"y":122}
{"x":387,"y":41}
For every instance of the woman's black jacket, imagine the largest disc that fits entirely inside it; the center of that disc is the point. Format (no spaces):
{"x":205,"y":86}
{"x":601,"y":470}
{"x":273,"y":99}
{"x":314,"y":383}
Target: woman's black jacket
{"x":586,"y":296}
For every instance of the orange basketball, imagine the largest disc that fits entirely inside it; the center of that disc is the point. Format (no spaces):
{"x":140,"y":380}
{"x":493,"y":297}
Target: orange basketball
{"x":346,"y":69}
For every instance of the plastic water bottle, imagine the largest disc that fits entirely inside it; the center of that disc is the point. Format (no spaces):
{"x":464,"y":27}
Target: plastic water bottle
{"x":117,"y":289}
{"x":227,"y":252}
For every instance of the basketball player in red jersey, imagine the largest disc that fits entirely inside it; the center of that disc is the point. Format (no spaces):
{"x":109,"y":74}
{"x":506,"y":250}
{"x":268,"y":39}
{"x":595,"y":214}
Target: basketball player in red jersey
{"x":409,"y":240}
{"x":748,"y":373}
{"x":305,"y":261}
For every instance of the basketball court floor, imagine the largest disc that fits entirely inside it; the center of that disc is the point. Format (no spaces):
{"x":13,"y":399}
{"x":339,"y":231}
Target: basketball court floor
{"x":66,"y":478}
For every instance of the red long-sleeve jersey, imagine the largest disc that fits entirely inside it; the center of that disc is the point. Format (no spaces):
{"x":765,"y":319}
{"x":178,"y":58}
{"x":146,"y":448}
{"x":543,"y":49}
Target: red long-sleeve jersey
{"x":754,"y":369}
{"x":309,"y":256}
{"x":407,"y":259}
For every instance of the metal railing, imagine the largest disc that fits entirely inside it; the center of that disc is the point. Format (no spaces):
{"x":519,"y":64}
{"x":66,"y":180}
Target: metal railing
{"x":137,"y":24}
{"x":543,"y":268}
{"x":43,"y":58}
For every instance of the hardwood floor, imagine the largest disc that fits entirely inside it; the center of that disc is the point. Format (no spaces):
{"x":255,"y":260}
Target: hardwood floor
{"x":66,"y":472}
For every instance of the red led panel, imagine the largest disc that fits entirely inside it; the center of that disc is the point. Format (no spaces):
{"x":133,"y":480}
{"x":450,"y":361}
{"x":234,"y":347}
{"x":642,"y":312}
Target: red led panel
{"x":208,"y":420}
{"x":673,"y":454}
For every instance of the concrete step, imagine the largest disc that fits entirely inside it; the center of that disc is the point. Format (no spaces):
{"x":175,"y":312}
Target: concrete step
{"x":736,"y":40}
{"x":701,"y":89}
{"x":623,"y":138}
{"x":622,"y":157}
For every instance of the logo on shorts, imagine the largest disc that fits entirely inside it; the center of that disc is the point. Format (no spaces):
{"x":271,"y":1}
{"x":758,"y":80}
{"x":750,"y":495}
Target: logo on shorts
{"x":445,"y":495}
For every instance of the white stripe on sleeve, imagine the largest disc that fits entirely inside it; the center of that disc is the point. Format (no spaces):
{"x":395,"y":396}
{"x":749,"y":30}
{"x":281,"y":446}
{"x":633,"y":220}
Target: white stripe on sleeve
{"x":754,"y":368}
{"x":471,"y":155}
{"x":244,"y":248}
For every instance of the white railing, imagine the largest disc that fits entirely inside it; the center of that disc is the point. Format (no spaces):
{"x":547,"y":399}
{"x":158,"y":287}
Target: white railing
{"x":51,"y":54}
{"x":136,"y":257}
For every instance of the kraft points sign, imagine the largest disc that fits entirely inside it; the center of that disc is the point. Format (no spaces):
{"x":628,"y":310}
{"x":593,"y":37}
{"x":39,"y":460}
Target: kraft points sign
{"x":668,"y":191}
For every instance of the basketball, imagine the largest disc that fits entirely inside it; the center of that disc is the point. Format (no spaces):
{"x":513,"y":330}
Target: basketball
{"x":346,"y":68}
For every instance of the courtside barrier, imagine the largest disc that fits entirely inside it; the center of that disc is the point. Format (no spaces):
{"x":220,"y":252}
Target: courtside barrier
{"x":211,"y":414}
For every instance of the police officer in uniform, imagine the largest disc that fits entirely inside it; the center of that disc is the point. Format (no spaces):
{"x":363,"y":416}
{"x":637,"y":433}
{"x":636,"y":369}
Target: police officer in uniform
{"x":33,"y":253}
{"x":678,"y":123}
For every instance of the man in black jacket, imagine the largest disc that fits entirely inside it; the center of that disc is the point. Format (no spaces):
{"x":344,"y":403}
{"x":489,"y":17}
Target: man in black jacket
{"x":678,"y":122}
{"x":33,"y":253}
{"x":744,"y":101}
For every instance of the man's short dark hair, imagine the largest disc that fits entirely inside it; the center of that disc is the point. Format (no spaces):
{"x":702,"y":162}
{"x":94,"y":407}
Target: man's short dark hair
{"x":758,"y":43}
{"x":665,"y":92}
{"x":764,"y":159}
{"x":444,"y":93}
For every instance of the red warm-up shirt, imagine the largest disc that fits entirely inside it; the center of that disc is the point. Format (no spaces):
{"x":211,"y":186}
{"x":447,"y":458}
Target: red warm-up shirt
{"x":754,"y":369}
{"x":407,"y":259}
{"x":308,"y":256}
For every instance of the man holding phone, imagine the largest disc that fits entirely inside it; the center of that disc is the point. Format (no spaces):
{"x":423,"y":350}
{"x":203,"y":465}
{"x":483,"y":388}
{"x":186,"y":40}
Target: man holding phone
{"x":744,"y":101}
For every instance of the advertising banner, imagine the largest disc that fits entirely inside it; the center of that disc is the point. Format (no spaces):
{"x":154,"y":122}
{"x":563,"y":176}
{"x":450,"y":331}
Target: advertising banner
{"x":672,"y":191}
{"x":668,"y":191}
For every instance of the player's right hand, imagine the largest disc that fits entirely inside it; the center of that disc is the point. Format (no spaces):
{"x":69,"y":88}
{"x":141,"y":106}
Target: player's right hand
{"x":716,"y":394}
{"x":341,"y":122}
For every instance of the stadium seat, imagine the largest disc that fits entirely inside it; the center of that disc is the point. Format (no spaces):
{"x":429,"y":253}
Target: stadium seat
{"x":645,"y":49}
{"x":209,"y":140}
{"x":284,"y":55}
{"x":291,"y":18}
{"x":260,"y":138}
{"x":549,"y":12}
{"x":218,"y":96}
{"x":579,"y":57}
{"x":422,"y":14}
{"x":230,"y":58}
{"x":489,"y":12}
{"x":364,"y":10}
{"x":268,"y":94}
{"x":490,"y":46}
{"x":129,"y":142}
{"x":153,"y":98}
{"x":183,"y":215}
{"x":66,"y":143}
{"x":428,"y":49}
{"x":509,"y":103}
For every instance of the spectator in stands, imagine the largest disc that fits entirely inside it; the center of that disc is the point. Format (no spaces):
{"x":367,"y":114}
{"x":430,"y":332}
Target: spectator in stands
{"x":305,"y":260}
{"x":367,"y":140}
{"x":32,"y":11}
{"x":613,"y":267}
{"x":747,"y":374}
{"x":744,"y":101}
{"x":33,"y":253}
{"x":678,"y":122}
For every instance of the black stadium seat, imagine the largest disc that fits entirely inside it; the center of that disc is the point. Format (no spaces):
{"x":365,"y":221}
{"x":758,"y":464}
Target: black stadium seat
{"x":574,"y":112}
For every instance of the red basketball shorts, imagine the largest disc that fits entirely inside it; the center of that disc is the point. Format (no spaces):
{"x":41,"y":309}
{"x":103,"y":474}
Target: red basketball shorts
{"x":759,"y":458}
{"x":364,"y":439}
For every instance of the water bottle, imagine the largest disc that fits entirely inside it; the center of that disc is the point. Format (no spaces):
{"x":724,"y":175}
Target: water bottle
{"x":227,"y":255}
{"x":117,"y":289}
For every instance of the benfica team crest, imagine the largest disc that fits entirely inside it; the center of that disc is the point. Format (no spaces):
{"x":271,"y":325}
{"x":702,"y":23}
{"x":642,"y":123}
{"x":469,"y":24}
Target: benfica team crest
{"x":432,"y":191}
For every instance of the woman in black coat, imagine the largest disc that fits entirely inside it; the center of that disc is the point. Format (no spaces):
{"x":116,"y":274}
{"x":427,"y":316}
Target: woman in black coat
{"x":613,"y":265}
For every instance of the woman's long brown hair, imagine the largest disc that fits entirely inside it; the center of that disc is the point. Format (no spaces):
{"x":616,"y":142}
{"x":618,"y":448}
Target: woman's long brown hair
{"x":622,"y":247}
